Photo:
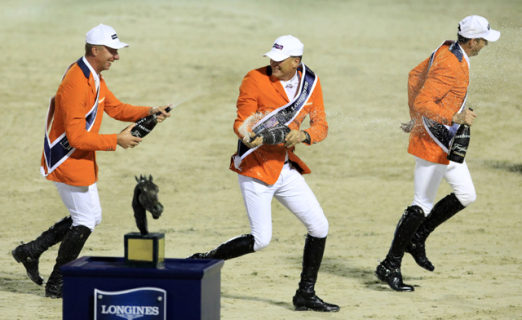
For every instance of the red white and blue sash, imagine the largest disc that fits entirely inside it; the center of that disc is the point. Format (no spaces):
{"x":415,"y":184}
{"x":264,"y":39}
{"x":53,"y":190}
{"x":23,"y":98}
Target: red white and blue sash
{"x":59,"y":150}
{"x":282,"y":115}
{"x":442,"y":134}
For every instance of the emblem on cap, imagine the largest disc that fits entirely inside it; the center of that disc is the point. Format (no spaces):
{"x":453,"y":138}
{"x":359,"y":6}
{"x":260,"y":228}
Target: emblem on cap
{"x":114,"y":36}
{"x":278,"y":46}
{"x":489,"y":27}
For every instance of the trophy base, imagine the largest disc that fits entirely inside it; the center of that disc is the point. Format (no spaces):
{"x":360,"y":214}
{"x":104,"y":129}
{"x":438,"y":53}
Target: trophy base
{"x":144,"y":251}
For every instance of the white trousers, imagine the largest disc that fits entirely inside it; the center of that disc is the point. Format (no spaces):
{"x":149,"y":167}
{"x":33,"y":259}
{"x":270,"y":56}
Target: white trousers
{"x":293,"y":192}
{"x":428,"y":176}
{"x":83,"y":204}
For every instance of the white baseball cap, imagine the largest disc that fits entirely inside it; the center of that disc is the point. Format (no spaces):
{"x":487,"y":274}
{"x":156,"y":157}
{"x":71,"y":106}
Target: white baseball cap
{"x":285,"y":47}
{"x":104,"y":35}
{"x":477,"y":27}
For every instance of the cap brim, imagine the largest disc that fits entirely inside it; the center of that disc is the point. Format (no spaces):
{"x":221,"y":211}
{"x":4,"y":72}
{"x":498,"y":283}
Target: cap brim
{"x":276,"y":55}
{"x":117,"y":45}
{"x":492,"y":36}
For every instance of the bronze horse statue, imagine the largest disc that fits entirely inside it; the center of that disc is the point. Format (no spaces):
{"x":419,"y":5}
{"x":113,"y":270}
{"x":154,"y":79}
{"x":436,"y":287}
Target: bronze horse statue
{"x":145,"y":199}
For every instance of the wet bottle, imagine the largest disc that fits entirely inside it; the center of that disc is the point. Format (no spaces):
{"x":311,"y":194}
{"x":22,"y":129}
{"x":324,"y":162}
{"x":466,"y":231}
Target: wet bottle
{"x":274,"y":135}
{"x":460,"y":144}
{"x":145,"y":125}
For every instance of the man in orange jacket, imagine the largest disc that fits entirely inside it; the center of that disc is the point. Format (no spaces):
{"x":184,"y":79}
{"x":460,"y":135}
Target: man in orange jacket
{"x":437,"y":91}
{"x":69,"y":158}
{"x":282,"y":94}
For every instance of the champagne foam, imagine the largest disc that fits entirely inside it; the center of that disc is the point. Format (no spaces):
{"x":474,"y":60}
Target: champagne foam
{"x":245,"y":129}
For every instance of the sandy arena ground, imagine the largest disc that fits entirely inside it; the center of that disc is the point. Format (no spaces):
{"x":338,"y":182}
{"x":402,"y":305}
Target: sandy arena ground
{"x":198,"y":52}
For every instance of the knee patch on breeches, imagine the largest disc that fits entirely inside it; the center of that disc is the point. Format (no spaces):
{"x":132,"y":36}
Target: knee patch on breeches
{"x":261,"y":242}
{"x":97,"y":220}
{"x":466,"y":198}
{"x":319,"y":229}
{"x":91,"y":223}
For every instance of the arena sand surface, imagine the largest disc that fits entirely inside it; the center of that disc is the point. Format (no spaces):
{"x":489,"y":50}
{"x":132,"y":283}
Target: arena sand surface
{"x":198,"y":52}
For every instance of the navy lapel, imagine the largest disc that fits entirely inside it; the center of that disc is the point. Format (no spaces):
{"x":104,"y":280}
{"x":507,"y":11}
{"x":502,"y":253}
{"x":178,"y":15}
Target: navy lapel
{"x":85,"y":69}
{"x":455,"y":49}
{"x":87,"y":73}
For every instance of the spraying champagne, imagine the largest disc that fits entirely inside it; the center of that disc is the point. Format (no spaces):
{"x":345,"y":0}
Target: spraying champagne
{"x":145,"y":125}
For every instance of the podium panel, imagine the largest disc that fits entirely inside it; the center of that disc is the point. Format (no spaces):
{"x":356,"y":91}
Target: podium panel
{"x":185,"y":289}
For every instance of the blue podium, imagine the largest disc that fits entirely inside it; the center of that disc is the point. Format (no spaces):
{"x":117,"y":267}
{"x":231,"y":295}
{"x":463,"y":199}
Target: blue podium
{"x":103,"y":288}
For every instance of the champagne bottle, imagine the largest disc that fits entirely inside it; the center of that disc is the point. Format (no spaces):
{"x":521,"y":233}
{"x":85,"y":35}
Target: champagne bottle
{"x":460,"y":144}
{"x":274,"y":135}
{"x":145,"y":125}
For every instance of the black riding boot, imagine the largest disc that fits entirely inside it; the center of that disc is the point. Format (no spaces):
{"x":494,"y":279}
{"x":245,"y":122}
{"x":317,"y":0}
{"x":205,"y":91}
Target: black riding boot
{"x":390,"y":269}
{"x":305,"y":298}
{"x":69,"y":250}
{"x":233,"y":248}
{"x":446,"y":208}
{"x":29,"y":253}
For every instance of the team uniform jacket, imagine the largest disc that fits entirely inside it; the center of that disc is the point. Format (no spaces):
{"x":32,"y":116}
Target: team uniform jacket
{"x":262,"y":92}
{"x":75,"y":97}
{"x":437,"y":95}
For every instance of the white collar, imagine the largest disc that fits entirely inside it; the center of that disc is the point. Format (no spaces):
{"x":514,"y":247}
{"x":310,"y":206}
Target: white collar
{"x":294,"y":82}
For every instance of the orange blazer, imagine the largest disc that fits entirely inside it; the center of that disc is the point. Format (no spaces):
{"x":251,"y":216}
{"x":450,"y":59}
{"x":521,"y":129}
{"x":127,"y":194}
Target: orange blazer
{"x":436,"y":94}
{"x":262,"y":92}
{"x":74,"y":99}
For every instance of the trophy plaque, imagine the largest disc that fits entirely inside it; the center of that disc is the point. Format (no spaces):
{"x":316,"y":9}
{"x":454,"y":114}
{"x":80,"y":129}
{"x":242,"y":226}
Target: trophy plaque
{"x":146,"y":251}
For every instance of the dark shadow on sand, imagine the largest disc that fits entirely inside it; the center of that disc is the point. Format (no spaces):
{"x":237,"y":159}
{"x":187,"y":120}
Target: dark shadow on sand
{"x":347,"y":268}
{"x":20,"y":283}
{"x":504,"y":165}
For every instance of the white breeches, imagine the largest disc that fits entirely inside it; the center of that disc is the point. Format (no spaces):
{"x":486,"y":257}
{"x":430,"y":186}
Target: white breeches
{"x":293,"y":192}
{"x":428,"y":176}
{"x":83,"y":204}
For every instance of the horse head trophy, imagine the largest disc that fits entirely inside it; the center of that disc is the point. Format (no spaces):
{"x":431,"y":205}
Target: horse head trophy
{"x":145,"y":199}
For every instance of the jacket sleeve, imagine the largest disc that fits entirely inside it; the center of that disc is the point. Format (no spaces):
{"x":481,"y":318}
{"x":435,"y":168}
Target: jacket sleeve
{"x":247,"y":102}
{"x":122,"y":111}
{"x":416,"y":79}
{"x":73,"y":100}
{"x":318,"y":126}
{"x":439,"y":81}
